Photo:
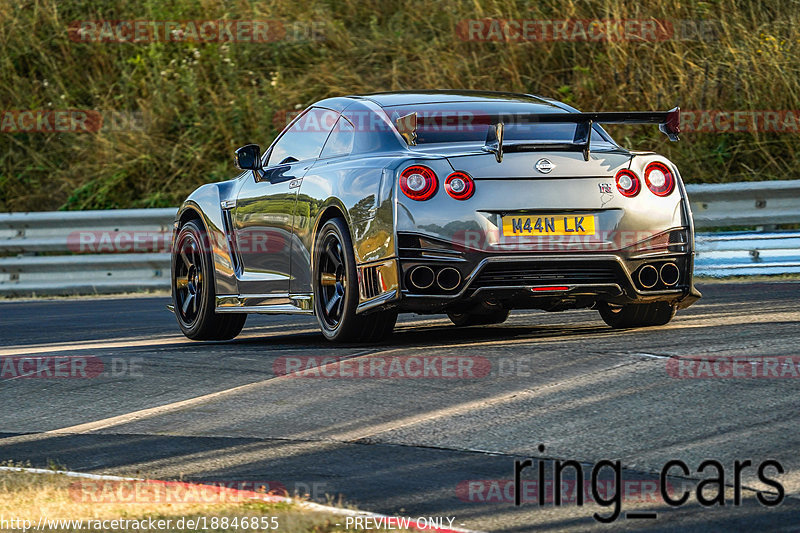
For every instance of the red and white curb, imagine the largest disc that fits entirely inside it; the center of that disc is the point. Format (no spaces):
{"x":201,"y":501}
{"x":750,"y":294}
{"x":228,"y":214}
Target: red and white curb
{"x":383,"y":521}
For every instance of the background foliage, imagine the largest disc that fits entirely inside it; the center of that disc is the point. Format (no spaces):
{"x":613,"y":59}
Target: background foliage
{"x":194,"y":103}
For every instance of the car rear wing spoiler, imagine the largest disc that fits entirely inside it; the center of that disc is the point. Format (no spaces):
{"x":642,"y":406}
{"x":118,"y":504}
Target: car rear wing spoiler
{"x":668,"y":123}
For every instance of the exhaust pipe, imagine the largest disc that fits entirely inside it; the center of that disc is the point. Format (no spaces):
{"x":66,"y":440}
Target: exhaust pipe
{"x":648,"y":276}
{"x":669,"y":274}
{"x":421,"y":277}
{"x":448,"y":278}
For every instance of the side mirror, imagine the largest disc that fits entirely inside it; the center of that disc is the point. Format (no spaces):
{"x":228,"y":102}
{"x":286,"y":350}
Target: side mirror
{"x":248,"y":157}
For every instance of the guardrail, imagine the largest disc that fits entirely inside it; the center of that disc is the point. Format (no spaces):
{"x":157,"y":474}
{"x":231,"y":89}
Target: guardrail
{"x":91,"y":252}
{"x":764,"y":204}
{"x":85,"y":252}
{"x":747,"y":254}
{"x":757,"y":203}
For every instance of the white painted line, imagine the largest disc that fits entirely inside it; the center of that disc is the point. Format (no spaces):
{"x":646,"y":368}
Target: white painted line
{"x":105,"y":423}
{"x":653,"y":355}
{"x":129,"y":342}
{"x":65,"y":473}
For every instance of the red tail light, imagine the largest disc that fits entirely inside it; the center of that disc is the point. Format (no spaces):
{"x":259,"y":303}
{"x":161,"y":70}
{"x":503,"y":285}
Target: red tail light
{"x":627,"y":183}
{"x":418,"y":182}
{"x":659,"y":179}
{"x":459,"y":185}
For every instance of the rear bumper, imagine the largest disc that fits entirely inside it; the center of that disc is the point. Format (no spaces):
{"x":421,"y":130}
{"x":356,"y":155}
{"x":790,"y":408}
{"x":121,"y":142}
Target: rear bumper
{"x":552,"y":282}
{"x":541,"y":278}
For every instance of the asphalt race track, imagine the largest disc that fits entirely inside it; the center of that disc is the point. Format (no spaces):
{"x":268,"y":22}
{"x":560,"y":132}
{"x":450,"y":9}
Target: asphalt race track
{"x":156,"y":404}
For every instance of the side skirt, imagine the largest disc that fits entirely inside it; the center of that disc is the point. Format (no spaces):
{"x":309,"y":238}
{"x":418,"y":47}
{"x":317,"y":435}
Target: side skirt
{"x":278,"y":304}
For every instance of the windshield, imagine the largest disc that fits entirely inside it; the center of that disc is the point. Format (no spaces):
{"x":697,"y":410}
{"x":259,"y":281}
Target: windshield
{"x":462,"y":122}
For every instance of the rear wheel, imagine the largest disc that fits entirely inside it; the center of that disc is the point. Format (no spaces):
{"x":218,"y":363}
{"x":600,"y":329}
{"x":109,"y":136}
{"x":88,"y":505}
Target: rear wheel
{"x":336,"y":290}
{"x":637,"y":315}
{"x":479,"y":318}
{"x":193,"y":293}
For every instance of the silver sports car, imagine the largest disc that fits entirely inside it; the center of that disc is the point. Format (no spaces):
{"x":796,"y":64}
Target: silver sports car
{"x":459,"y":202}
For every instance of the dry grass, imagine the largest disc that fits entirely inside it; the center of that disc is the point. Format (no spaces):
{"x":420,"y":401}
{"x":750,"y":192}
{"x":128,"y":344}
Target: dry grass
{"x":31,"y":496}
{"x":196,"y":103}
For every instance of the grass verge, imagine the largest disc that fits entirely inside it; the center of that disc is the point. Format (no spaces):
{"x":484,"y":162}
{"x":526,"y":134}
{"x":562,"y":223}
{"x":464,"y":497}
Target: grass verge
{"x":59,"y":498}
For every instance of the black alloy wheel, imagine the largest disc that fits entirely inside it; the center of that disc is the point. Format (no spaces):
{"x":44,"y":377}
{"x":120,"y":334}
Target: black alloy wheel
{"x":336,"y":291}
{"x":193,"y":292}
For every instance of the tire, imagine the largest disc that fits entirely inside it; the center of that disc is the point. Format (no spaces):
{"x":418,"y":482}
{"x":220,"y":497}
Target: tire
{"x":497,"y":316}
{"x":336,"y":294}
{"x":637,"y":315}
{"x":193,"y":293}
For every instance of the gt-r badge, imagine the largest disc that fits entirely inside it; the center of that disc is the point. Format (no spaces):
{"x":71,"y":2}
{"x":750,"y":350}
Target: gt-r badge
{"x":606,"y":193}
{"x":544,"y":166}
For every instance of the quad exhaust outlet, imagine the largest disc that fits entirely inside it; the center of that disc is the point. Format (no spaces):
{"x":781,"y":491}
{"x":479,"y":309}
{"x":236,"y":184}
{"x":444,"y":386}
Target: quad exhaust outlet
{"x":423,"y":277}
{"x":448,"y":278}
{"x":648,"y":276}
{"x":669,"y":274}
{"x":664,"y":275}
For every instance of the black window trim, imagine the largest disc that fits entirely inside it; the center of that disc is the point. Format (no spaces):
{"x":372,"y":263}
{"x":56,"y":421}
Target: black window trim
{"x":341,"y":116}
{"x":265,"y":157}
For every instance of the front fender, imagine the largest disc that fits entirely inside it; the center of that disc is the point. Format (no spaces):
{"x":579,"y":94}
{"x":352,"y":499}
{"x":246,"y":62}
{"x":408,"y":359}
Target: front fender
{"x":205,"y":203}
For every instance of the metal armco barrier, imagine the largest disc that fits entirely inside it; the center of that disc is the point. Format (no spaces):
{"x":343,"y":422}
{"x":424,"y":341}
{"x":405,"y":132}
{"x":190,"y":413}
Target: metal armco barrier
{"x":757,"y":203}
{"x":763,"y":204}
{"x":123,"y":250}
{"x":747,"y":254}
{"x":85,"y":252}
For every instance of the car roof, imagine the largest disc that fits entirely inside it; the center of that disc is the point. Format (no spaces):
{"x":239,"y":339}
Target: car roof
{"x":407,"y":98}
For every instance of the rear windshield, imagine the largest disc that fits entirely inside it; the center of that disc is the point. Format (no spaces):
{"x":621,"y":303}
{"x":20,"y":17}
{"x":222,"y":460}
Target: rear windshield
{"x":462,"y":122}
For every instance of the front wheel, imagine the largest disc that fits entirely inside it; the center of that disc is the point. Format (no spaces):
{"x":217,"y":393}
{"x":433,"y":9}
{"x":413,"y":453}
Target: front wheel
{"x":193,"y":294}
{"x":336,"y":290}
{"x":636,"y":315}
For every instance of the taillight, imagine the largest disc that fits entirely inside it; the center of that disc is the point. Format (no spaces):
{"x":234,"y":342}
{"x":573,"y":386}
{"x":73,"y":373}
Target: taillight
{"x":627,"y":183}
{"x":459,"y":185}
{"x":418,"y":182}
{"x":659,"y":179}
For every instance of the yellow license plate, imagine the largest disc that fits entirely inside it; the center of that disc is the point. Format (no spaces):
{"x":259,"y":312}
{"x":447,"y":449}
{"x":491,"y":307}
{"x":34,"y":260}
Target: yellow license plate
{"x":525,"y":225}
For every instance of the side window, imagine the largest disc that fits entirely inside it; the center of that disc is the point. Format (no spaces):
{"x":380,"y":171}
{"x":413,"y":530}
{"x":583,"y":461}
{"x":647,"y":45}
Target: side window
{"x":340,"y":141}
{"x":305,"y":138}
